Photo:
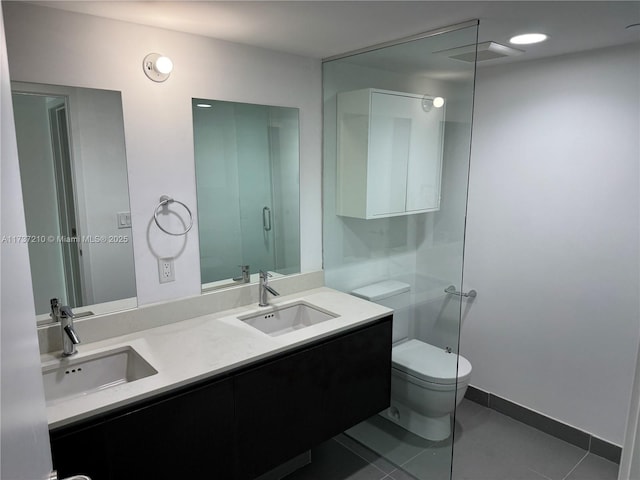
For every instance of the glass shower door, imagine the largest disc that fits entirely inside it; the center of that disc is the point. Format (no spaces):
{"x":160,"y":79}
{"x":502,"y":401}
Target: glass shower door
{"x":397,"y":135}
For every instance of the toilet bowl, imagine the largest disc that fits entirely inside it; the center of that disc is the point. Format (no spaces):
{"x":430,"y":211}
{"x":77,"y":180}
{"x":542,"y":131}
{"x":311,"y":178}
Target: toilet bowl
{"x":427,"y":382}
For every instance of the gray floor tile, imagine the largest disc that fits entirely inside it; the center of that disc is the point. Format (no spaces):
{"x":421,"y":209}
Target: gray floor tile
{"x":594,"y":468}
{"x":475,"y":464}
{"x":432,"y":464}
{"x":487,"y":446}
{"x":504,"y":440}
{"x":387,"y":439}
{"x":366,"y":453}
{"x":332,"y":461}
{"x":400,"y":475}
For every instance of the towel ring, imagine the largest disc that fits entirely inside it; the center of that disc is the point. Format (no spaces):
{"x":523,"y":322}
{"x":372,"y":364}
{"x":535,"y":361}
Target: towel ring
{"x":164,"y":201}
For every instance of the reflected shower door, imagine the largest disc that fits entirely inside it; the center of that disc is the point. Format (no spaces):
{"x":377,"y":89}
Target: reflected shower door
{"x":255,"y":187}
{"x":247,"y":173}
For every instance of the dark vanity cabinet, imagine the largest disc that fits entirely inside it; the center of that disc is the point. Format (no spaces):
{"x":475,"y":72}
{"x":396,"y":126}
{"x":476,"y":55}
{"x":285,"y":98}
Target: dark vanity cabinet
{"x":185,"y":435}
{"x":80,"y":449}
{"x":277,"y":407}
{"x":242,"y":425}
{"x":292,"y":403}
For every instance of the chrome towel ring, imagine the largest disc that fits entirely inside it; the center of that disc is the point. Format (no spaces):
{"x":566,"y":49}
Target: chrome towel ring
{"x":164,"y":201}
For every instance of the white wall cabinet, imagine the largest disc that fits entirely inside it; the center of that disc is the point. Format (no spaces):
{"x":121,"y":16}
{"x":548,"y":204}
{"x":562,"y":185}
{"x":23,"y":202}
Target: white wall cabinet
{"x":389,"y":154}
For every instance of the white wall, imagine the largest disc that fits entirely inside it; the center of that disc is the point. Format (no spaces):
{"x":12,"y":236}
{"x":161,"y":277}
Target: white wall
{"x":24,"y":440}
{"x":552,"y":236}
{"x":50,"y":46}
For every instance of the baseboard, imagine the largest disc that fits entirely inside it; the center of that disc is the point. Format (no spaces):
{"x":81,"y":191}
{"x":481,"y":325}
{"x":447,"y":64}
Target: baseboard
{"x":548,"y":425}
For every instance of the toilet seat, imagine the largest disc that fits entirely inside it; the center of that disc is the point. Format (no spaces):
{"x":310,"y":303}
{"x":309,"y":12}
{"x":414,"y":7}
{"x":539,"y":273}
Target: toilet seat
{"x":429,"y":364}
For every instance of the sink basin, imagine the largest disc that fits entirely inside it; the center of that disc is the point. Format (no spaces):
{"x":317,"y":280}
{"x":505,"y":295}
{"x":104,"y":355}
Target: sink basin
{"x":280,"y":320}
{"x":69,"y":378}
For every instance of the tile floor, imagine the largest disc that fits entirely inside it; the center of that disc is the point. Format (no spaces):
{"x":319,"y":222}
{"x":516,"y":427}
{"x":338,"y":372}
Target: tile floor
{"x":488,"y":446}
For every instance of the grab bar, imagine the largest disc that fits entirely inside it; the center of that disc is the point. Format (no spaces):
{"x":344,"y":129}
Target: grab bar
{"x":452,"y":290}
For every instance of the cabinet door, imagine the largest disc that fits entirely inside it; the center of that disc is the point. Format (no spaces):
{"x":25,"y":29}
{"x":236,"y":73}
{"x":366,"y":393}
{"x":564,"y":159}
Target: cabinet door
{"x":390,"y":131}
{"x":292,"y":404}
{"x":81,"y":451}
{"x":424,"y":169}
{"x":278,"y":407}
{"x":186,"y":436}
{"x":405,"y":155}
{"x":358,"y":377}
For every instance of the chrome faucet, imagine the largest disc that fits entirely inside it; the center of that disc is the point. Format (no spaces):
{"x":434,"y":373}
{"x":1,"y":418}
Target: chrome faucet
{"x":64,"y":315}
{"x":265,"y":289}
{"x":245,"y":276}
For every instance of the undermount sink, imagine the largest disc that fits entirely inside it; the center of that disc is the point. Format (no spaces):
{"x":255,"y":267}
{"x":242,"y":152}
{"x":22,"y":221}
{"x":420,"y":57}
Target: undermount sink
{"x":69,"y":378}
{"x":285,"y":319}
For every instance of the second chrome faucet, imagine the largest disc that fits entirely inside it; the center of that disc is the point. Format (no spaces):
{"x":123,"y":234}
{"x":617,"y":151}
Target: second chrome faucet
{"x":265,"y":289}
{"x":64,"y":315}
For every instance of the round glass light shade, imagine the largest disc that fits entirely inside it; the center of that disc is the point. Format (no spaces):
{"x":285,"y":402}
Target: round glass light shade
{"x":157,"y":67}
{"x":163,"y":65}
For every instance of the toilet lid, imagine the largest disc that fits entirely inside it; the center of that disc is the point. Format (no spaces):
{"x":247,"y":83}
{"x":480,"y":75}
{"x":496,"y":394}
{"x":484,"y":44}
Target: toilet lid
{"x":430,"y":363}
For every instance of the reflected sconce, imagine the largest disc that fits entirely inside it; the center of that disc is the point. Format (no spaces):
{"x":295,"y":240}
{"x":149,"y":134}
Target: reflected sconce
{"x":429,"y":102}
{"x":157,"y":67}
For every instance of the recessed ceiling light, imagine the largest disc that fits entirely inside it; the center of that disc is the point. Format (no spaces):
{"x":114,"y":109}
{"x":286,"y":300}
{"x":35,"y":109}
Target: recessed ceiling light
{"x":203,"y":105}
{"x":528,"y":38}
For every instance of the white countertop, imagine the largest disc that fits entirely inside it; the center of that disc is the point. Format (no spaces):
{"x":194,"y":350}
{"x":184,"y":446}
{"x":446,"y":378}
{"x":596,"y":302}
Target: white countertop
{"x":191,"y":350}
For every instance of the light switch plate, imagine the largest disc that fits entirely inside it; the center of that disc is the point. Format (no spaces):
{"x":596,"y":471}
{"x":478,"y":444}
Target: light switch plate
{"x":124,"y":219}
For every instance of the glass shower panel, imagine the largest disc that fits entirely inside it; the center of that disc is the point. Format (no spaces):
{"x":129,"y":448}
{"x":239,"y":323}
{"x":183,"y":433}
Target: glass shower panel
{"x":397,"y":135}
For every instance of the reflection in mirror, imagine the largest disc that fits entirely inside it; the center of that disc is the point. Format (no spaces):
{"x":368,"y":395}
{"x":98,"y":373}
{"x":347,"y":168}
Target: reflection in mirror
{"x":73,"y":171}
{"x":247,"y":175}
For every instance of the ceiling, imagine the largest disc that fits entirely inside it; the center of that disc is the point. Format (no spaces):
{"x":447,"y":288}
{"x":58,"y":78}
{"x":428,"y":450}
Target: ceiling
{"x":322,"y":29}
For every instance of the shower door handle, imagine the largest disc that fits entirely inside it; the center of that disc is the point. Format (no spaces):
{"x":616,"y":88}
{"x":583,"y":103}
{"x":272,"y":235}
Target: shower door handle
{"x":266,"y":219}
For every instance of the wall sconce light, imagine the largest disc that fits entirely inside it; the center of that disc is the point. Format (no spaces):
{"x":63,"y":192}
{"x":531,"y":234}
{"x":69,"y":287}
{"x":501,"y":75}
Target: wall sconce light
{"x":429,"y":102}
{"x":157,"y":67}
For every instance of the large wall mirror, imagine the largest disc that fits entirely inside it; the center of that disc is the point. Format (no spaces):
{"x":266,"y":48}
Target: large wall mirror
{"x":248,"y":189}
{"x":73,"y":171}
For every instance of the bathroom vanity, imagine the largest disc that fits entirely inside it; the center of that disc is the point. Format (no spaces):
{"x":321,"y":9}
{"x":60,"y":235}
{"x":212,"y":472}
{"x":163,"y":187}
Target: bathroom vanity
{"x":252,"y":403}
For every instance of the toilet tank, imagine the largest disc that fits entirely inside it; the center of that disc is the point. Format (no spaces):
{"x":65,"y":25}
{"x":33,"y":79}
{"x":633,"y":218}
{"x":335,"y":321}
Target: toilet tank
{"x":392,"y":294}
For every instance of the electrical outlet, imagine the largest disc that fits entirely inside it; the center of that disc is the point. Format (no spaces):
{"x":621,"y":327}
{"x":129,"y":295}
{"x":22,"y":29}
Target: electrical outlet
{"x":165,"y":270}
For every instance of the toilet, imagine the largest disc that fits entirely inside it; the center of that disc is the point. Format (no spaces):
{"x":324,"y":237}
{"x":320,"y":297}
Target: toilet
{"x":424,"y":392}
